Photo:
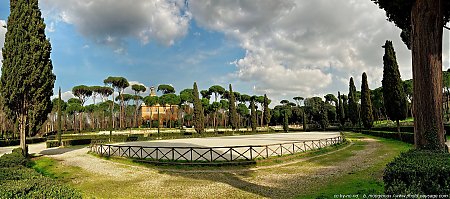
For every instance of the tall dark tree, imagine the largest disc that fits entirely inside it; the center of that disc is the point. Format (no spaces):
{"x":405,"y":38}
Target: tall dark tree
{"x":353,"y":112}
{"x":233,"y":111}
{"x":285,"y":120}
{"x":366,"y":104}
{"x":341,"y":111}
{"x":253,"y":114}
{"x":267,"y":114}
{"x":137,"y":88}
{"x":199,"y":120}
{"x":393,"y":93}
{"x":59,"y":116}
{"x":323,"y":121}
{"x":83,"y":92}
{"x":422,"y":23}
{"x":119,"y":83}
{"x":27,"y":79}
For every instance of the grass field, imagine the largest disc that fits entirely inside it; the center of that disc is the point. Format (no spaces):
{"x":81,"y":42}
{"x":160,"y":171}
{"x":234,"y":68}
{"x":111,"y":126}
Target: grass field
{"x":355,"y":168}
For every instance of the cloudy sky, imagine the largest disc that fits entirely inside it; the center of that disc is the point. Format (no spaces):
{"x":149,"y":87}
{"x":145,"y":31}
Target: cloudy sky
{"x":284,"y":48}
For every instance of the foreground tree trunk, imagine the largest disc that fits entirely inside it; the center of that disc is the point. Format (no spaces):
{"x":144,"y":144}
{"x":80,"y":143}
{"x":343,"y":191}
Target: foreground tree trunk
{"x":427,"y":24}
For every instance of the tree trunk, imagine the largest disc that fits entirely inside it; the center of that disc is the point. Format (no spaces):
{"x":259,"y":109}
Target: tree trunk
{"x":22,"y":127}
{"x":427,"y":24}
{"x":398,"y":130}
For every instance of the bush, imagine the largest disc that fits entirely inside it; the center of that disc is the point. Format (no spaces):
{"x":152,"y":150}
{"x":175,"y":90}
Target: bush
{"x":405,"y":137}
{"x":418,"y":172}
{"x":71,"y":142}
{"x":41,"y":187}
{"x":52,"y":143}
{"x":13,"y":159}
{"x":18,"y":181}
{"x":16,"y":142}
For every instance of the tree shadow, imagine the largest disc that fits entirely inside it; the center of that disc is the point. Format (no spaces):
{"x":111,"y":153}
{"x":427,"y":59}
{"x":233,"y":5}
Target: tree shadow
{"x":234,"y":179}
{"x":59,"y":151}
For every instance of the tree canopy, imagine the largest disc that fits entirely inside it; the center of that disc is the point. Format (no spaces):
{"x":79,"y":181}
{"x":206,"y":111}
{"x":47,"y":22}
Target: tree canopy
{"x":27,"y":79}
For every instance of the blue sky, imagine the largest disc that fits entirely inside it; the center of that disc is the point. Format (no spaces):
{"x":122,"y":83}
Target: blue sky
{"x":284,"y":48}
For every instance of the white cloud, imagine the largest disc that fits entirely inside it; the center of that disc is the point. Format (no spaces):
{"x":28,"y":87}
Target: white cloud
{"x":296,"y":47}
{"x":110,"y":22}
{"x":65,"y":96}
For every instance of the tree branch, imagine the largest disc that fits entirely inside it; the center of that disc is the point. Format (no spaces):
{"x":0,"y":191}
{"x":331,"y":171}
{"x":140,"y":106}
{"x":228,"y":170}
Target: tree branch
{"x":446,"y":27}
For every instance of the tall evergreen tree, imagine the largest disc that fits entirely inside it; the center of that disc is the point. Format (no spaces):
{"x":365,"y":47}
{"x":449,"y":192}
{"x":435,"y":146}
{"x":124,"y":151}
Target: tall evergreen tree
{"x":285,"y":120}
{"x":422,"y":24}
{"x":366,"y":104}
{"x":27,"y":79}
{"x":266,"y":111}
{"x":233,"y":111}
{"x":59,"y":116}
{"x":341,"y":111}
{"x":393,"y":94}
{"x":353,"y":112}
{"x":199,"y":118}
{"x":253,"y":114}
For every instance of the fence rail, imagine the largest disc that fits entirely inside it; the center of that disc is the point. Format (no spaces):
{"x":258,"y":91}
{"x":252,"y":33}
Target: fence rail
{"x":211,"y":154}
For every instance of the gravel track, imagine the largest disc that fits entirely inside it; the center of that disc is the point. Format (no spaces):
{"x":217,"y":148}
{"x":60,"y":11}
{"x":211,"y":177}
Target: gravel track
{"x":277,"y":181}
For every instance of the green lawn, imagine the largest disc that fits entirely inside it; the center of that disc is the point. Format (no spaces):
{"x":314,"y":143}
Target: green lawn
{"x":356,"y":168}
{"x":366,"y":181}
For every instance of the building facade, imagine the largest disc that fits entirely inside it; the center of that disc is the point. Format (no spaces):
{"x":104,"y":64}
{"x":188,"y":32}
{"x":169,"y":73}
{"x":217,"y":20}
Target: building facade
{"x":165,"y":113}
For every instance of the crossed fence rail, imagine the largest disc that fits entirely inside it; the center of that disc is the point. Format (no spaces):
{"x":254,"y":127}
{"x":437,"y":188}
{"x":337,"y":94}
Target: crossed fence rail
{"x":211,"y":154}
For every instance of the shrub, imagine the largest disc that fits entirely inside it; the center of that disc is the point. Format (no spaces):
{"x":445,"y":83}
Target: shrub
{"x":16,"y":142}
{"x":405,"y":137}
{"x":13,"y":159}
{"x":52,"y":143}
{"x":70,"y":142}
{"x":18,"y":181}
{"x":41,"y":187}
{"x":418,"y":172}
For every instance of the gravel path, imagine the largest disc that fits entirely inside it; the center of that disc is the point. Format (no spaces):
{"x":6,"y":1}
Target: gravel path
{"x":111,"y":179}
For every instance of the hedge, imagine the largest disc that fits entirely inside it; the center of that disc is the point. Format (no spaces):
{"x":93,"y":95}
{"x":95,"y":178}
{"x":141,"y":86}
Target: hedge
{"x":405,"y":137}
{"x":16,"y":142}
{"x":18,"y":181}
{"x":418,"y":172}
{"x":69,"y":142}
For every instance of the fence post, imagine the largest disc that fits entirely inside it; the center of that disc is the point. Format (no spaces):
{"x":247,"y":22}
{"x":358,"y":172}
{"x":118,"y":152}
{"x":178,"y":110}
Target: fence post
{"x":251,"y":154}
{"x":231,"y":154}
{"x":141,"y":153}
{"x":109,"y":150}
{"x":267,"y":151}
{"x":157,"y":150}
{"x":191,"y":154}
{"x":173,"y":154}
{"x":293,"y":148}
{"x":210,"y":152}
{"x":281,"y":147}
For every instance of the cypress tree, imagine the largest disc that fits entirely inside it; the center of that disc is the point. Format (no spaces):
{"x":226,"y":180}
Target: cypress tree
{"x":253,"y":113}
{"x":353,"y":112}
{"x":323,"y":116}
{"x":233,"y":111}
{"x":27,"y":79}
{"x":198,"y":111}
{"x":393,"y":94}
{"x":286,"y":121}
{"x":341,"y":111}
{"x":366,"y":104}
{"x":266,"y":111}
{"x":59,"y":116}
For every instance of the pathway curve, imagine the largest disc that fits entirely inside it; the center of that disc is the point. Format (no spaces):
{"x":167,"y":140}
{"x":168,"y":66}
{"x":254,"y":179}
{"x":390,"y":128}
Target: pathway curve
{"x":277,"y":181}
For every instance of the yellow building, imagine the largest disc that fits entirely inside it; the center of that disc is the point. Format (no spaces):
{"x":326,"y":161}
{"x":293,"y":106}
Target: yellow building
{"x":166,"y":113}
